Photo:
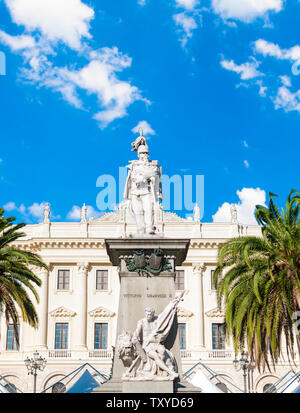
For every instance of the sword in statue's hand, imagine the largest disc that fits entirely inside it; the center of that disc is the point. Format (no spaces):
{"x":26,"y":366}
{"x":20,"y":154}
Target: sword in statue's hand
{"x":179,"y":298}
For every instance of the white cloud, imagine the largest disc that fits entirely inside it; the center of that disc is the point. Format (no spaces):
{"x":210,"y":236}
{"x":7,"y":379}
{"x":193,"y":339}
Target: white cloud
{"x":187,"y":4}
{"x":142,"y":2}
{"x":75,"y":213}
{"x":17,"y":42}
{"x":187,"y":24}
{"x":99,"y":78}
{"x":246,"y":163}
{"x":245,"y":143}
{"x":246,"y":10}
{"x":286,"y":81}
{"x":35,"y":212}
{"x":249,"y":198}
{"x":11,"y":206}
{"x":147,"y":130}
{"x":287,"y":100}
{"x":246,"y":70}
{"x":273,"y":50}
{"x":50,"y":21}
{"x":262,"y":91}
{"x":67,"y":21}
{"x":284,"y":99}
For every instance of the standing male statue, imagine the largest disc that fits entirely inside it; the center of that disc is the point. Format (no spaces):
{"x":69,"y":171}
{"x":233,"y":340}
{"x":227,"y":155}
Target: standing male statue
{"x":143,"y":187}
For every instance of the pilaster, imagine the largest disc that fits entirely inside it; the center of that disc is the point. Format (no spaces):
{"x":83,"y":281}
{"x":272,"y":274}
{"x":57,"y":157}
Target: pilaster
{"x":198,"y":271}
{"x":80,"y":336}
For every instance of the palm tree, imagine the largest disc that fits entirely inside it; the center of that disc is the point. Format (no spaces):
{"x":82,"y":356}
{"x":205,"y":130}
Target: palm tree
{"x":16,"y":277}
{"x":258,"y":280}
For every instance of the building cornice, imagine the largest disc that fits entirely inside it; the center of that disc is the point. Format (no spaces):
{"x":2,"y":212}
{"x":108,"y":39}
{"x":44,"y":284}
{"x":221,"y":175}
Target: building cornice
{"x":50,"y":243}
{"x":95,"y":243}
{"x":206,"y":243}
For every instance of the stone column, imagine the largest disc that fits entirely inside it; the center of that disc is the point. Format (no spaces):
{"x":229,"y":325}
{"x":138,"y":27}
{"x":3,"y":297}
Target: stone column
{"x":198,"y":271}
{"x":43,"y":310}
{"x":81,"y":318}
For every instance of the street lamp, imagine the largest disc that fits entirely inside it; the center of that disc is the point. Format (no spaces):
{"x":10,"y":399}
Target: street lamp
{"x":243,"y":364}
{"x":35,"y":364}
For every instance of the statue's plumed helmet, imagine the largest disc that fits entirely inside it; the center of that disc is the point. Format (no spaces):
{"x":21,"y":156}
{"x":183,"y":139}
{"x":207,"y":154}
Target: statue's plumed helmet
{"x":143,"y":149}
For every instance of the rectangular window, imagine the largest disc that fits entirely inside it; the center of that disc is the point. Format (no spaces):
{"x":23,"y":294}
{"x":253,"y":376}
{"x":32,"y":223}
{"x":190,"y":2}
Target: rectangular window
{"x":182,"y":336}
{"x":11,"y":341}
{"x":212,"y":285}
{"x":63,"y":280}
{"x":102,"y":280}
{"x":61,"y":336}
{"x":179,"y":280}
{"x":218,"y":336}
{"x":100,"y":340}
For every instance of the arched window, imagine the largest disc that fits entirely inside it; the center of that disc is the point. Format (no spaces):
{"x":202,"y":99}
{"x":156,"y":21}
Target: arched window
{"x":222,"y":387}
{"x":269,"y":388}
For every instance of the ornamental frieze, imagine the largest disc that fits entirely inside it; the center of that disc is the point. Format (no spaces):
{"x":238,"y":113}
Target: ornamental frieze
{"x":62,"y":312}
{"x":102,"y":312}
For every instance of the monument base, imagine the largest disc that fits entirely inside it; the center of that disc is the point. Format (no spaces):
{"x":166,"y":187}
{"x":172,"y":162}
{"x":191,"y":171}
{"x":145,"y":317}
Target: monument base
{"x":146,"y":290}
{"x":146,"y":386}
{"x":111,"y":386}
{"x":140,"y":386}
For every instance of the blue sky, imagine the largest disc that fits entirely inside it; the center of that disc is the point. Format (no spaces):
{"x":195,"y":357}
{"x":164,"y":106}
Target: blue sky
{"x":213,"y":79}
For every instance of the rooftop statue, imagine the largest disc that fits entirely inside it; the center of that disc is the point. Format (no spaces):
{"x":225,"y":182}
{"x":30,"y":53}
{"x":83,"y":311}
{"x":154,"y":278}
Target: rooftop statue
{"x":143,"y":187}
{"x":83,"y":213}
{"x":47,"y":213}
{"x":233,"y":211}
{"x":196,"y":212}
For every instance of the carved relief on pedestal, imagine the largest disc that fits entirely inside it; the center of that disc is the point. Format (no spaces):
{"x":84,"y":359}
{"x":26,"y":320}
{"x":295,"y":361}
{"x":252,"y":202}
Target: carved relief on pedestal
{"x":143,"y":352}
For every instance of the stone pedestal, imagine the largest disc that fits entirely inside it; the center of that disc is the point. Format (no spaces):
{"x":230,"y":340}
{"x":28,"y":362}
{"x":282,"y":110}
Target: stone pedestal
{"x":138,"y":292}
{"x":148,"y":387}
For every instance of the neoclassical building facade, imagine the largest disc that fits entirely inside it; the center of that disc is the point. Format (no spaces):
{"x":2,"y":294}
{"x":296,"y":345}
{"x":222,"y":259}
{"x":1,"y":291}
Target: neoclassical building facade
{"x":80,"y":293}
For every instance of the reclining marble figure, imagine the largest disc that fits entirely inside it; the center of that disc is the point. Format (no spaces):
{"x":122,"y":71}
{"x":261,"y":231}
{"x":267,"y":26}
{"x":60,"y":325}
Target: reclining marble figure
{"x":143,"y":352}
